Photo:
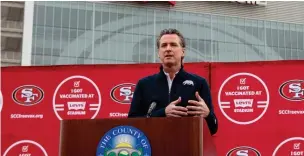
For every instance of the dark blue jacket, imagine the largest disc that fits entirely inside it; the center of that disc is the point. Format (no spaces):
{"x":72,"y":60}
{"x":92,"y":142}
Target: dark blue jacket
{"x":155,"y":88}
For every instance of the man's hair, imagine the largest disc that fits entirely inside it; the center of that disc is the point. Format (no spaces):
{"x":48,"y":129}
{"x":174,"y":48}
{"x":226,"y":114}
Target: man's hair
{"x":171,"y":31}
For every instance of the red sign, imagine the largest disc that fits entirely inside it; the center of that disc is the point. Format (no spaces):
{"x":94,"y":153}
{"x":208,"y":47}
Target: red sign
{"x":259,"y":109}
{"x":172,"y":3}
{"x":33,"y":106}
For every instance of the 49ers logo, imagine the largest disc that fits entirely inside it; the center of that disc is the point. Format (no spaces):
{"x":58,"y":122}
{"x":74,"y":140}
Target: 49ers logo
{"x":28,"y":95}
{"x":292,"y":90}
{"x":243,"y":151}
{"x":123,"y":93}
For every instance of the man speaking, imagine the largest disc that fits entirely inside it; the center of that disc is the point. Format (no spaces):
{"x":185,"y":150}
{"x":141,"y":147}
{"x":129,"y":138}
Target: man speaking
{"x":173,"y":92}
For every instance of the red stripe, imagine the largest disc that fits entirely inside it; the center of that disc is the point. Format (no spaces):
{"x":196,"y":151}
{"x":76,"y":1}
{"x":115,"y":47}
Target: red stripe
{"x":172,"y":2}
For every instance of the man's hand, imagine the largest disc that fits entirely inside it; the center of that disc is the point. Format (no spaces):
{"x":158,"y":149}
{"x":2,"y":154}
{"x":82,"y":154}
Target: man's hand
{"x":200,"y":108}
{"x":175,"y":111}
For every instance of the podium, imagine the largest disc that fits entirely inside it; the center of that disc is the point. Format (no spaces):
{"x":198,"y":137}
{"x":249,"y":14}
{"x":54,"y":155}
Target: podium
{"x":187,"y":136}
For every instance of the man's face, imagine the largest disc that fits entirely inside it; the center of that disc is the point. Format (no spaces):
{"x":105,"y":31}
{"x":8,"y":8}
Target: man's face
{"x":170,"y":50}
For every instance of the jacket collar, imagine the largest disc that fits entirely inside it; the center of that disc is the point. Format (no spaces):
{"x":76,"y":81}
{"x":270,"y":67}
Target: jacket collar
{"x":181,"y":72}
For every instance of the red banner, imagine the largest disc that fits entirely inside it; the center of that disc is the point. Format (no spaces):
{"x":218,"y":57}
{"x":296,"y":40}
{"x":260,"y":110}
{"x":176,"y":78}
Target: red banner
{"x":172,"y":3}
{"x":36,"y":98}
{"x":259,"y":105}
{"x":260,"y":108}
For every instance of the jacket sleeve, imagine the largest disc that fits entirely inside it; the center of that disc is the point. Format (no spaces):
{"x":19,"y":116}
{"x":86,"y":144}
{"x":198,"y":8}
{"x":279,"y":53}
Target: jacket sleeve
{"x":211,"y":118}
{"x":158,"y":113}
{"x":136,"y":108}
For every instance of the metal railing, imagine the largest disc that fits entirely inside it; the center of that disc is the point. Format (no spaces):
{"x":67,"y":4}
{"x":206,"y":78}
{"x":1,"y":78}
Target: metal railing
{"x":12,"y":25}
{"x":14,"y":4}
{"x":11,"y":56}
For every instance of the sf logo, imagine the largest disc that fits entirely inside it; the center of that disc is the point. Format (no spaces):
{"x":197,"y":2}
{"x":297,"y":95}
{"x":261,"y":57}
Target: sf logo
{"x":28,"y":94}
{"x":242,"y":153}
{"x":296,"y":89}
{"x":127,"y":93}
{"x":292,"y":90}
{"x":123,"y":93}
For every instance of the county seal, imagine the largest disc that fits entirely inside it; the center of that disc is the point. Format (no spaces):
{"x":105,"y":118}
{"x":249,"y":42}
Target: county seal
{"x":124,"y":141}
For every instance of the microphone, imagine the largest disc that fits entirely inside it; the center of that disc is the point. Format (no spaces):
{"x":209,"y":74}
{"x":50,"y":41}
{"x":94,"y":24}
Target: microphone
{"x":152,"y":106}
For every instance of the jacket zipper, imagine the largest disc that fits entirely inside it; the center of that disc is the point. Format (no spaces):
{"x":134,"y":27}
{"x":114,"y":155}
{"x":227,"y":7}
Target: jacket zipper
{"x":169,"y":99}
{"x":169,"y":94}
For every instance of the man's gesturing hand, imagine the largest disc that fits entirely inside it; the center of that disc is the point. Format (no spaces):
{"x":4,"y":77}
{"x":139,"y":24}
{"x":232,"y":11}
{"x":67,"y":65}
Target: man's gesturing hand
{"x":175,"y":111}
{"x":199,"y":107}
